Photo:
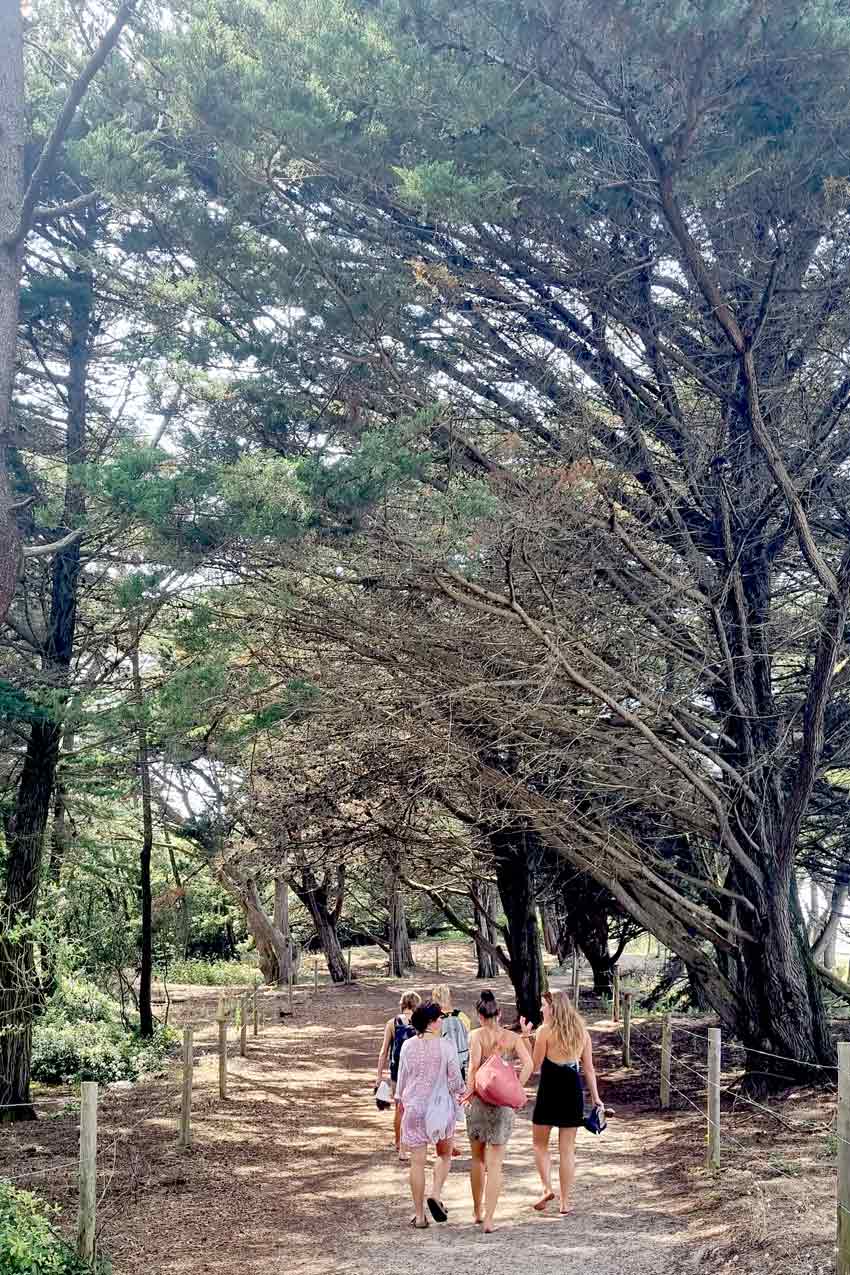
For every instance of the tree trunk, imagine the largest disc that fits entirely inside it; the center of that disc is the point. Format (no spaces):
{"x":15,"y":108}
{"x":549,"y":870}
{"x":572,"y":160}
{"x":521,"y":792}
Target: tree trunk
{"x":59,"y":830}
{"x":19,"y":991}
{"x":485,"y":904}
{"x":825,"y":944}
{"x":274,"y":949}
{"x":781,"y":1005}
{"x":146,"y":963}
{"x":326,"y":931}
{"x":599,"y":959}
{"x":271,"y":936}
{"x":12,"y":141}
{"x":815,"y":915}
{"x":325,"y":914}
{"x":183,"y":926}
{"x":287,"y":955}
{"x":400,"y":952}
{"x":516,"y":890}
{"x":26,"y":827}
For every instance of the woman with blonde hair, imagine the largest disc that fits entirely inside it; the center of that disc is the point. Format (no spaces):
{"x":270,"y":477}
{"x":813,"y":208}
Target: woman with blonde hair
{"x":563,"y":1052}
{"x":396,"y":1032}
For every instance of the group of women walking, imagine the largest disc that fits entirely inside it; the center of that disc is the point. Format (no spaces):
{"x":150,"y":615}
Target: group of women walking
{"x":431,"y":1089}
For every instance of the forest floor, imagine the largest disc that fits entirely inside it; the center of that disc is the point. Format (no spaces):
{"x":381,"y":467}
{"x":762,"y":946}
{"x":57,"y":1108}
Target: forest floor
{"x":295,"y":1172}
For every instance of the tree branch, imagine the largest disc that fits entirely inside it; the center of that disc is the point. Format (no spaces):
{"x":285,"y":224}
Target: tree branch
{"x":63,"y":123}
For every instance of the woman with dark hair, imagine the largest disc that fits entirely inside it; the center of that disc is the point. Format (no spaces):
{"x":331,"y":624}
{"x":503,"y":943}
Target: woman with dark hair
{"x":489,"y":1128}
{"x":428,"y":1090}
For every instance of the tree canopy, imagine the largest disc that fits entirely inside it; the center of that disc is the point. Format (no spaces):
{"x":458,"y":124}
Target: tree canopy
{"x":451,"y":402}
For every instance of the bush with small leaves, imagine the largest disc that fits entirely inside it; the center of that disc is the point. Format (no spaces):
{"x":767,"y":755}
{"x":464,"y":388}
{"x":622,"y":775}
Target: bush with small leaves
{"x":29,"y":1241}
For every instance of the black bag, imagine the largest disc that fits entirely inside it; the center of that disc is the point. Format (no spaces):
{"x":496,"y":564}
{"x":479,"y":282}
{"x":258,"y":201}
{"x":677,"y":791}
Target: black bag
{"x":594,"y":1121}
{"x":402,"y":1031}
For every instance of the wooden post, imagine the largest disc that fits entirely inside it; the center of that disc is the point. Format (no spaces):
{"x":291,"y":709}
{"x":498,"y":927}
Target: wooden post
{"x":575,"y":978}
{"x":615,"y":997}
{"x":185,"y":1127}
{"x":243,"y":1026}
{"x":627,"y":1029}
{"x":256,"y":1015}
{"x":221,"y":1017}
{"x":713,"y":1100}
{"x":348,"y":969}
{"x":842,"y":1266}
{"x":437,"y":958}
{"x":290,"y":989}
{"x":88,"y":1171}
{"x":315,"y":978}
{"x":666,"y":1059}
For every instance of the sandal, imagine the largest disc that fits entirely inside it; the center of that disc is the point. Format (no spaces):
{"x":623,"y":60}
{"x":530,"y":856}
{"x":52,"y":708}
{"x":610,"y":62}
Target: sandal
{"x":541,"y":1204}
{"x":436,"y":1209}
{"x":419,"y":1226}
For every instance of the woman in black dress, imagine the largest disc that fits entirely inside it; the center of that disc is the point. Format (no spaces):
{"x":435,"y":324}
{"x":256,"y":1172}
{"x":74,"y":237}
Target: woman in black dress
{"x":563,"y":1052}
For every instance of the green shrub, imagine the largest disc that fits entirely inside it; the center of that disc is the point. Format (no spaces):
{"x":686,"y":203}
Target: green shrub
{"x":82,"y":1036}
{"x":99,"y":1051}
{"x":29,"y":1242}
{"x":78,"y":1000}
{"x":212,"y":973}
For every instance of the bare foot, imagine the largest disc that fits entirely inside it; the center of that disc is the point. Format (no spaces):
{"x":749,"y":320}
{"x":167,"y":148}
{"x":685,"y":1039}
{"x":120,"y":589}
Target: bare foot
{"x":489,"y":1228}
{"x":565,"y":1209}
{"x":545,"y":1199}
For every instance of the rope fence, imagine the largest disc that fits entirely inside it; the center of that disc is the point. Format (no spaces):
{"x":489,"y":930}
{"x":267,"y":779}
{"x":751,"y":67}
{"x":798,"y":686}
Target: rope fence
{"x":240,"y":1012}
{"x":712,"y":1087}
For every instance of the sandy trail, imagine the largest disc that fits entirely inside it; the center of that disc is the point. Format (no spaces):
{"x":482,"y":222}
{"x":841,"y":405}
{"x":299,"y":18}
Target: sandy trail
{"x":314,"y":1185}
{"x":296,"y":1172}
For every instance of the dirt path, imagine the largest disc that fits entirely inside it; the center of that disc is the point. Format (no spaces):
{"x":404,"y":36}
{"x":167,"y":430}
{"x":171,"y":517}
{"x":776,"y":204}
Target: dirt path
{"x":309,"y":1182}
{"x":296,"y":1173}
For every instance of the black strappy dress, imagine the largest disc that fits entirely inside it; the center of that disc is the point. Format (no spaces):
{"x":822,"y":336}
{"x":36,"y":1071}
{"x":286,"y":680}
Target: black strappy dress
{"x":560,"y":1101}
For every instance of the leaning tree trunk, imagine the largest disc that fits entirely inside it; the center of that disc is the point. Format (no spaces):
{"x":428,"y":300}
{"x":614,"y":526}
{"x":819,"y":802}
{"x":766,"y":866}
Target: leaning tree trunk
{"x":328,"y":936}
{"x":274,"y":951}
{"x":511,"y":854}
{"x":485,"y":904}
{"x":323,"y":900}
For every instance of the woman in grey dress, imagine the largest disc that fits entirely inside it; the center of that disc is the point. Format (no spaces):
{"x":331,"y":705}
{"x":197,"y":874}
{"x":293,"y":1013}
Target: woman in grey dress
{"x":489,"y":1127}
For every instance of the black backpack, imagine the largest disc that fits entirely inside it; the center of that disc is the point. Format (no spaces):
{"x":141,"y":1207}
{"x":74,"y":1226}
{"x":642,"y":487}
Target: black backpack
{"x":402,"y":1032}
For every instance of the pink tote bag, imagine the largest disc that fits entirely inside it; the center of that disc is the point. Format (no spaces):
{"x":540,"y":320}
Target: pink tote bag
{"x":497,"y":1084}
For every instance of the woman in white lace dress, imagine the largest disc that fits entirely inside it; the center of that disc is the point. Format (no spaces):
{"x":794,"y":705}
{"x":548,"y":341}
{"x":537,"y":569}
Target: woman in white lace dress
{"x":429,"y":1088}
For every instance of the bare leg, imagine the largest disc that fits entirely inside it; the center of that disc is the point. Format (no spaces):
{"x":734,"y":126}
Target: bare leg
{"x":417,"y":1180}
{"x":493,"y":1186}
{"x":397,"y":1127}
{"x":543,"y":1160}
{"x":442,"y":1164}
{"x":567,"y":1167}
{"x":477,"y":1175}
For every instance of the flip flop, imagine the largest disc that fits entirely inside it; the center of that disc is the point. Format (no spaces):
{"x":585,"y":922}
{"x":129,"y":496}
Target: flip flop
{"x":541,"y":1204}
{"x":435,"y":1208}
{"x":419,"y":1226}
